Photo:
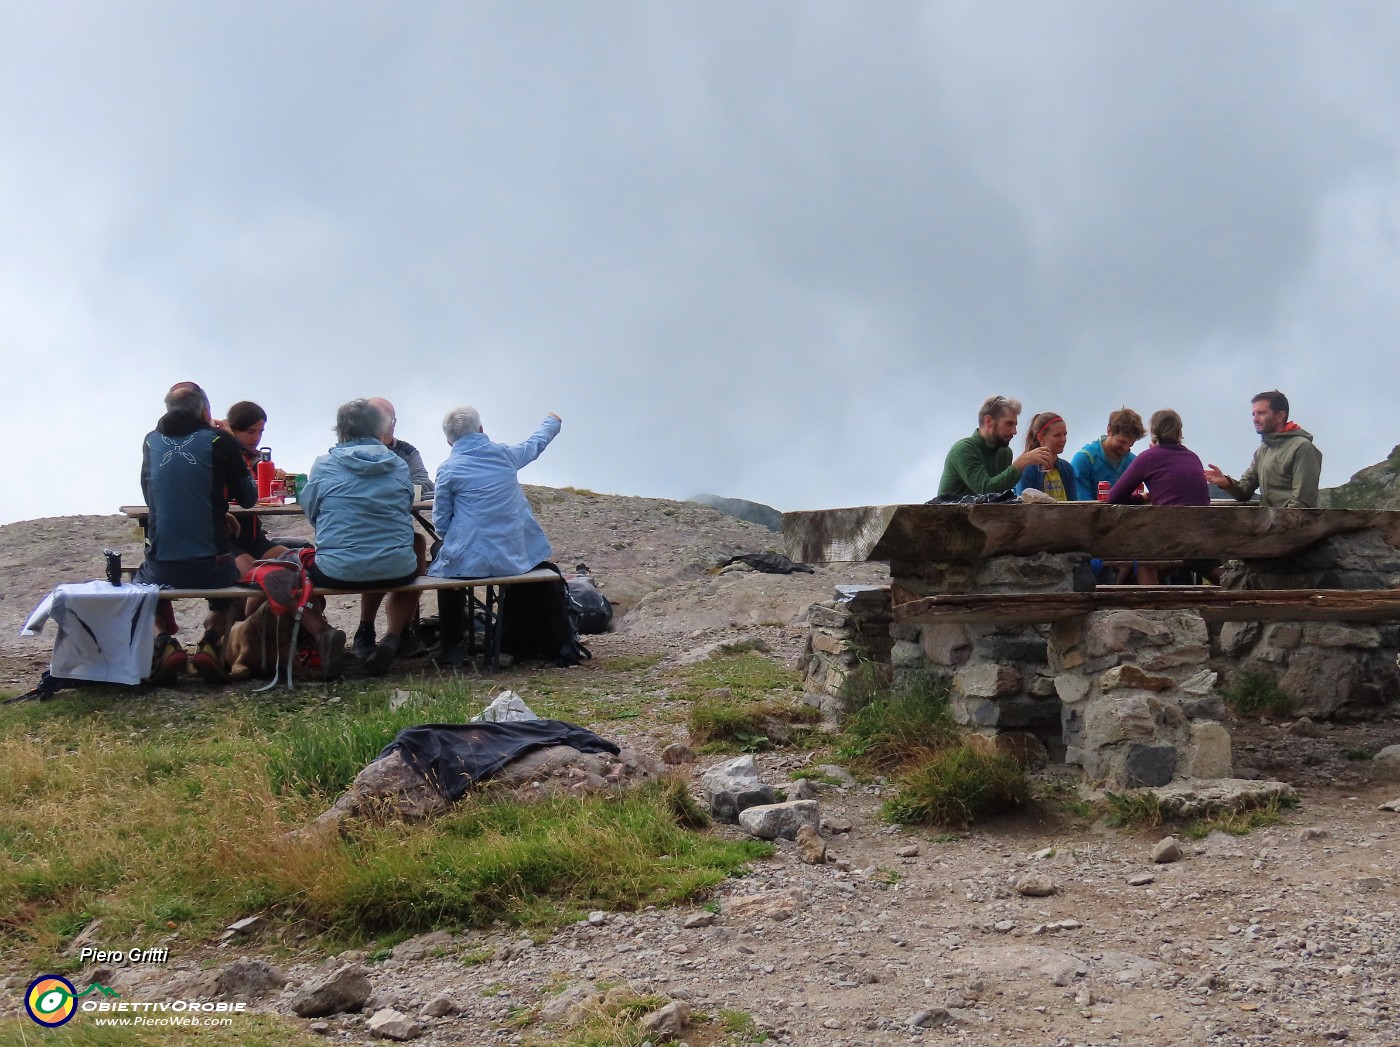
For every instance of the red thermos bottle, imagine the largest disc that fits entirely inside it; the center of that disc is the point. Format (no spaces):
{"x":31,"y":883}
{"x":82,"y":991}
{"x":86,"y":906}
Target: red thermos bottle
{"x":266,"y":471}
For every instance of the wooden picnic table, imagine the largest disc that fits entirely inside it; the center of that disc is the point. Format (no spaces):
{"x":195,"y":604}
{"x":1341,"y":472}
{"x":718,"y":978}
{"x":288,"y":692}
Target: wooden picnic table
{"x":422,"y":512}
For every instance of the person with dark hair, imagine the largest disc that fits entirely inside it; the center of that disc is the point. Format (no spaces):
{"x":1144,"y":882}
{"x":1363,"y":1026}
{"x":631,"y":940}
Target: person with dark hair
{"x":982,"y":463}
{"x":1286,"y":467}
{"x":190,"y":471}
{"x":1048,"y":430}
{"x":1107,"y":457}
{"x":246,"y":422}
{"x":1173,"y":476}
{"x":360,"y":500}
{"x":1171,"y":471}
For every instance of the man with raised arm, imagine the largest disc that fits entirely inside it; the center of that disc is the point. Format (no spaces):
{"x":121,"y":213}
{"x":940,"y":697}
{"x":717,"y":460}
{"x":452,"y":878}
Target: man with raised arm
{"x":482,"y":514}
{"x":1286,"y":467}
{"x":982,"y":463}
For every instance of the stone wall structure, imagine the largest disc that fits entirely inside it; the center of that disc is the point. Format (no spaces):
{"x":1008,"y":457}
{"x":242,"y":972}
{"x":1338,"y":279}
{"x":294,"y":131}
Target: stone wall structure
{"x":849,"y":630}
{"x":1329,"y":669}
{"x":1128,"y":695}
{"x":1139,"y":702}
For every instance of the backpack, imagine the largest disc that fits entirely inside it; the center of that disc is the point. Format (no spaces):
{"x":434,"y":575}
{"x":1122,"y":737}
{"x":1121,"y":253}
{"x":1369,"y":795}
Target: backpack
{"x":594,"y":610}
{"x":539,"y":622}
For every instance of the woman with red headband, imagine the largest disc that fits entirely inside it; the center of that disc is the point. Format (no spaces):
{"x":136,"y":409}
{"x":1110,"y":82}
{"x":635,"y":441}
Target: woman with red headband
{"x":1048,"y":430}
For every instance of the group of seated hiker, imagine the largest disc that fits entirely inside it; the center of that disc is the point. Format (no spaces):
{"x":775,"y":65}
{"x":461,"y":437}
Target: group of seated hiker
{"x":359,"y":500}
{"x":1284,"y":469}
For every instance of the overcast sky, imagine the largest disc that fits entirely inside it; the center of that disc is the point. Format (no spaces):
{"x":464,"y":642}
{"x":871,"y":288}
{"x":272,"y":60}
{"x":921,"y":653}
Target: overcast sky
{"x":776,"y":250}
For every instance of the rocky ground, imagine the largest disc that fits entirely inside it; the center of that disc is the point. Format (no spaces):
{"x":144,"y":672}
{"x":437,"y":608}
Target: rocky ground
{"x":1285,"y":936}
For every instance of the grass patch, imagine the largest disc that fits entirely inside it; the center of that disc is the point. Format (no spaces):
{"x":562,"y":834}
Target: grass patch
{"x":744,"y":702}
{"x":747,"y":675}
{"x":1144,"y":810}
{"x":868,"y":682}
{"x":958,"y":786}
{"x":614,"y":1020}
{"x":114,"y":811}
{"x":819,"y":777}
{"x":739,"y":1027}
{"x":717,"y":726}
{"x":900,"y":726}
{"x":1063,"y":795}
{"x":539,"y":863}
{"x":320,"y":754}
{"x":1257,"y":694}
{"x":1244,"y":820}
{"x":631,"y":663}
{"x":1358,"y":755}
{"x":1133,"y":810}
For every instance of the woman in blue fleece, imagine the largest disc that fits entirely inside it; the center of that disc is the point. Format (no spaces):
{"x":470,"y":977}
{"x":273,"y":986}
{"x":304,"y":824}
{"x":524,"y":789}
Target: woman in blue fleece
{"x":1048,"y":430}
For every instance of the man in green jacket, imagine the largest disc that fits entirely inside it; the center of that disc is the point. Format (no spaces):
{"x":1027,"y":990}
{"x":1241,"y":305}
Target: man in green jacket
{"x":982,"y":463}
{"x":1285,"y":468}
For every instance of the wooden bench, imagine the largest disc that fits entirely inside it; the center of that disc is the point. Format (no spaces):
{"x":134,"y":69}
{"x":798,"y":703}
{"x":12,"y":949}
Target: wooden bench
{"x":1213,"y":603}
{"x":490,"y":606}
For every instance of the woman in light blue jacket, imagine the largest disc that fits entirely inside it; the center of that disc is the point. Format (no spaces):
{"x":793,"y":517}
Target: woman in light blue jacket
{"x":360,"y":500}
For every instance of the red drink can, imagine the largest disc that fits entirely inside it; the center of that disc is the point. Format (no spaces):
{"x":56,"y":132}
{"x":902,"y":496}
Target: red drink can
{"x":1103,"y":490}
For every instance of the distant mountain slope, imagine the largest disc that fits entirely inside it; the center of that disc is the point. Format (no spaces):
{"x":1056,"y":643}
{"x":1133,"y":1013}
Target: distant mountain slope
{"x":742,"y":509}
{"x":1375,"y":487}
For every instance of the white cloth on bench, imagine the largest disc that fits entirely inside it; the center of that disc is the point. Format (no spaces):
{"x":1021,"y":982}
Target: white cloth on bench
{"x":104,"y":630}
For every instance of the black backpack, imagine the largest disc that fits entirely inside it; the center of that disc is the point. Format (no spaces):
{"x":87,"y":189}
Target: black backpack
{"x":594,"y":610}
{"x":539,"y":622}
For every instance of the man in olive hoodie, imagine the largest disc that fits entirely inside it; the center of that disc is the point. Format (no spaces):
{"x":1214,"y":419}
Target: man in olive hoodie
{"x":1285,"y":468}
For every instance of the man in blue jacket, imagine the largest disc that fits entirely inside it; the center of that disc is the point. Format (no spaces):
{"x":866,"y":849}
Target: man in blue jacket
{"x":190,"y":471}
{"x":1107,"y":457}
{"x":481,"y":513}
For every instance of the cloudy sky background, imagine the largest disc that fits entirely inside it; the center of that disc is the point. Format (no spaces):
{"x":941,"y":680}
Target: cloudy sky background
{"x":777,"y":251}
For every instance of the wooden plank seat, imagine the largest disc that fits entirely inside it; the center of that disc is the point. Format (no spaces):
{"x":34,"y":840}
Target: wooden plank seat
{"x":490,"y":606}
{"x":1213,"y":603}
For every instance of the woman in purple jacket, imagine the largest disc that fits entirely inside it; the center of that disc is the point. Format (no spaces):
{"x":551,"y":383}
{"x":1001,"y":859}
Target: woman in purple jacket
{"x":1173,"y":476}
{"x":1168,"y":468}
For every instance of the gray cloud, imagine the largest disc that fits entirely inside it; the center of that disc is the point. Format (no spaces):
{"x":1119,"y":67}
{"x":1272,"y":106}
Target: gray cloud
{"x":777,"y":251}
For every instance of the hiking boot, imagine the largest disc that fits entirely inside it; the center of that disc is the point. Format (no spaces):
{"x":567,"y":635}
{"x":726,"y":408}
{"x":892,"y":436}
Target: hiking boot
{"x":331,"y":648}
{"x":168,"y":661}
{"x":378,"y":663}
{"x":449,"y":656}
{"x":364,"y":641}
{"x":208,"y":661}
{"x":410,"y":646}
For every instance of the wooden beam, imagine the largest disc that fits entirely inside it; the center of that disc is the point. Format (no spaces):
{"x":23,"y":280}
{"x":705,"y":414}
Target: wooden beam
{"x":1213,"y":603}
{"x":913,"y":533}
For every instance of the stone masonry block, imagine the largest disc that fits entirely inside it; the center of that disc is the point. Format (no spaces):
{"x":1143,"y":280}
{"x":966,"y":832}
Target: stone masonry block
{"x":1332,"y":634}
{"x":1134,"y":677}
{"x":1117,"y":632}
{"x":1207,"y":753}
{"x":988,"y":680}
{"x":946,"y":644}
